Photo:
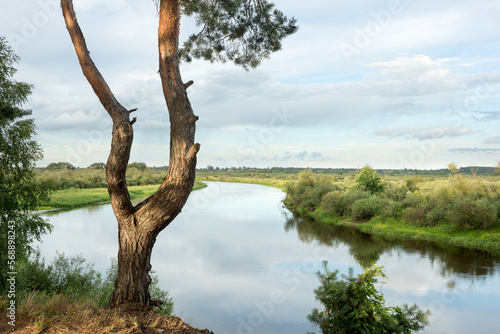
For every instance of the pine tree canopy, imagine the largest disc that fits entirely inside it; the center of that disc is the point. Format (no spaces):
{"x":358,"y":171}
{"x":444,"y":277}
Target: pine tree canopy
{"x":242,"y":31}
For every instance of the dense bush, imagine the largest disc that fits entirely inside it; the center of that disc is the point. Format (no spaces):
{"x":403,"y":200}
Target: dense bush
{"x":352,"y":305}
{"x":473,"y":214}
{"x":367,"y":208}
{"x":423,"y":210}
{"x":307,"y":193}
{"x":77,"y":281}
{"x":396,"y":191}
{"x":334,"y":203}
{"x":340,"y":202}
{"x":412,"y":182}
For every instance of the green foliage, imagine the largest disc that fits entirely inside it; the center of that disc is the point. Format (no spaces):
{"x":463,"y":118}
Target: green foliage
{"x":341,"y":203}
{"x":77,"y":281}
{"x":412,"y":183}
{"x":353,"y":305}
{"x":12,"y":92}
{"x":62,"y":176}
{"x":369,"y":180}
{"x":98,"y":165}
{"x":308,"y":192}
{"x":454,"y":168}
{"x":60,"y":165}
{"x":468,"y":201}
{"x":137,"y":165}
{"x":423,"y":210}
{"x":473,"y":214}
{"x":334,"y":203}
{"x":367,"y":208}
{"x":20,"y":191}
{"x":244,"y":32}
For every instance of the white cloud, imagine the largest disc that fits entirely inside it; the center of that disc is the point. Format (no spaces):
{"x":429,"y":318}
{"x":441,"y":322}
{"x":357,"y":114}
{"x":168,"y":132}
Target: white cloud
{"x":424,"y":132}
{"x":492,"y":140}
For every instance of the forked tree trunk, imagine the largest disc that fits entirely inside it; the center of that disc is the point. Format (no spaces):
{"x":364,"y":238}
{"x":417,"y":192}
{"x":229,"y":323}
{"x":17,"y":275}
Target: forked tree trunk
{"x":139,"y":225}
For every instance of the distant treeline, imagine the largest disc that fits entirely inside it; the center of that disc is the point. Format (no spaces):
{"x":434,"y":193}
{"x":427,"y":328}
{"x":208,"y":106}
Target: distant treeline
{"x":349,"y":171}
{"x":63,"y":175}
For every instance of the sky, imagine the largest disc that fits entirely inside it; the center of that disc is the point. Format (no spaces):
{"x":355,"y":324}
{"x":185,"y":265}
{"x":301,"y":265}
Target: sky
{"x":394,"y":84}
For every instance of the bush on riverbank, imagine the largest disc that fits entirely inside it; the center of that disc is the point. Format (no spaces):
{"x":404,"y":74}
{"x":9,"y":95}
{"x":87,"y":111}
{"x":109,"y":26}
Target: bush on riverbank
{"x":467,"y":202}
{"x":71,"y":292}
{"x":76,"y":280}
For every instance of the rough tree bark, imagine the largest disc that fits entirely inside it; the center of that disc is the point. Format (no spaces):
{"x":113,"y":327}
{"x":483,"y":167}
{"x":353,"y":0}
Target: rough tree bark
{"x":139,"y":225}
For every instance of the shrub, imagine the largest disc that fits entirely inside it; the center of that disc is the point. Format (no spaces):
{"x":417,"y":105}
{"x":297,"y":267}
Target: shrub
{"x":435,"y":216}
{"x":395,"y":192}
{"x":414,"y":215}
{"x":367,"y":208}
{"x":412,"y":182}
{"x":473,"y":214}
{"x":334,"y":203}
{"x":392,"y":209}
{"x":77,"y":281}
{"x":352,"y":305}
{"x":423,"y":210}
{"x":340,"y":203}
{"x":369,"y":180}
{"x":308,"y":192}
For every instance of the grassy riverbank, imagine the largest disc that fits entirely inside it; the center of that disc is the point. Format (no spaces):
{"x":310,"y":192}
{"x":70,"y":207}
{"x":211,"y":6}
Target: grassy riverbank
{"x":74,"y":198}
{"x":455,"y":210}
{"x":392,"y":229}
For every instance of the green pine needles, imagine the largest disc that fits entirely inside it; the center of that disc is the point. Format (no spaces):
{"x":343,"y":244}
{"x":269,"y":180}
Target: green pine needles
{"x":352,"y":305}
{"x":244,"y":32}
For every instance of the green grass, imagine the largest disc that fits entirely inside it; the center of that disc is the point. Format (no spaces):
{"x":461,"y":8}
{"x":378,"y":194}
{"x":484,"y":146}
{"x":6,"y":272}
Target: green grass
{"x":74,"y":198}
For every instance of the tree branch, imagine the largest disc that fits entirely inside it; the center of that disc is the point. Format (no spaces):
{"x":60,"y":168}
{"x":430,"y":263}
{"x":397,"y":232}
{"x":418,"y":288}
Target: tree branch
{"x":94,"y":77}
{"x":122,"y":130}
{"x":163,"y":206}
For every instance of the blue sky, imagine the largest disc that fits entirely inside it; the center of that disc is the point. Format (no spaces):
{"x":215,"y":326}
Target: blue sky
{"x":395,"y":84}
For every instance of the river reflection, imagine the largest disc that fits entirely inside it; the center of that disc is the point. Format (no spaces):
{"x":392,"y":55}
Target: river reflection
{"x":367,"y":249}
{"x":236,"y":261}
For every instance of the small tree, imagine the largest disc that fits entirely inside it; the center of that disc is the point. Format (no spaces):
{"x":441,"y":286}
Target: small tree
{"x":368,"y":179}
{"x":353,"y":305}
{"x":454,"y":168}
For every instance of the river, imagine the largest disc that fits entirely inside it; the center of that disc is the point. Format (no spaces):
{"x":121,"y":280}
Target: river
{"x":236,"y":261}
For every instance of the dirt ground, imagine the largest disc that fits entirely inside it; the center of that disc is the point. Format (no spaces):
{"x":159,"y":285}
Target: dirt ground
{"x":123,"y":321}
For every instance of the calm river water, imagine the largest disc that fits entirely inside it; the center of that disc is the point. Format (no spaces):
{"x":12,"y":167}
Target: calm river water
{"x":235,"y":261}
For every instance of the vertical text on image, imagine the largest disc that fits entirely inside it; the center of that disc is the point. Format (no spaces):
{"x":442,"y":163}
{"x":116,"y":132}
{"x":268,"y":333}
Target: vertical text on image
{"x":11,"y":264}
